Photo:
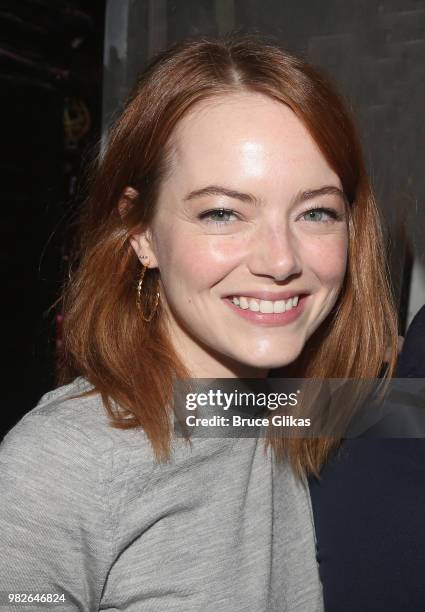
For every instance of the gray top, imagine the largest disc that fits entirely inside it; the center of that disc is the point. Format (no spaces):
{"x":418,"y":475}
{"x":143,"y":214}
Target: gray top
{"x":86,"y":512}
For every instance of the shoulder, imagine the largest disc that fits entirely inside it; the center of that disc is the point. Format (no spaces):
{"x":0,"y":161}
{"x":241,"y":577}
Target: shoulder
{"x":70,"y":433}
{"x":419,"y":320}
{"x":411,"y":363}
{"x":56,"y":445}
{"x":61,"y":422}
{"x":70,"y":408}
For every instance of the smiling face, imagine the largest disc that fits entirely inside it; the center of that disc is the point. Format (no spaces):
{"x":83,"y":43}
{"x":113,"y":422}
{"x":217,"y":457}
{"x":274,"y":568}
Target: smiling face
{"x":249,"y":235}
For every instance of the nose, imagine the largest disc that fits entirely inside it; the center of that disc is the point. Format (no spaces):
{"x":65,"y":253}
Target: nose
{"x":275,"y":252}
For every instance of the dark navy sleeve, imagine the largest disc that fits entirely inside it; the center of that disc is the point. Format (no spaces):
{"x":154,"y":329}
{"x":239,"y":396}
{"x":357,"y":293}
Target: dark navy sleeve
{"x":369,"y":513}
{"x":411,"y":363}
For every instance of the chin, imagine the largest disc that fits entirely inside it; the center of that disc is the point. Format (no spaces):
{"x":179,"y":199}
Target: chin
{"x":269,"y":362}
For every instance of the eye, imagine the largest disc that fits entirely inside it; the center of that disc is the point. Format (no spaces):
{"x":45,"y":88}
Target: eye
{"x":217,"y":215}
{"x":321,"y":214}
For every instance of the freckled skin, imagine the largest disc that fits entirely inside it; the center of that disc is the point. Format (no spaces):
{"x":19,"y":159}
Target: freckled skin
{"x":252,"y":144}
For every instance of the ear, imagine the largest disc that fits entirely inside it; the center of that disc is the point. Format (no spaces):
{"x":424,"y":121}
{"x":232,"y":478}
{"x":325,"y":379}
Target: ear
{"x":127,"y":199}
{"x":143,"y":246}
{"x":142,"y":242}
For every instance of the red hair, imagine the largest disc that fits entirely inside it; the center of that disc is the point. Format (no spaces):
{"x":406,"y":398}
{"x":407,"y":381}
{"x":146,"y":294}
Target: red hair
{"x":131,"y":363}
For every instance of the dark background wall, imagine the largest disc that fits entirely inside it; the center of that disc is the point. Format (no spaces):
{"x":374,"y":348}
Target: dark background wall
{"x":50,"y":77}
{"x":374,"y":49}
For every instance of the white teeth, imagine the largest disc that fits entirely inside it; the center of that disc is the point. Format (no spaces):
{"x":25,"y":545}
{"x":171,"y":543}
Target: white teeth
{"x":279,"y":306}
{"x":265,"y":306}
{"x":254,"y":305}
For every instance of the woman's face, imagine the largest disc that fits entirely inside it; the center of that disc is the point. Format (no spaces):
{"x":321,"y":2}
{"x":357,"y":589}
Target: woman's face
{"x":249,"y":235}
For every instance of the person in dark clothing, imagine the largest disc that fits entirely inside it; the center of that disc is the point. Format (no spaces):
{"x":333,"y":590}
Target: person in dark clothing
{"x":411,"y":363}
{"x":368,"y":508}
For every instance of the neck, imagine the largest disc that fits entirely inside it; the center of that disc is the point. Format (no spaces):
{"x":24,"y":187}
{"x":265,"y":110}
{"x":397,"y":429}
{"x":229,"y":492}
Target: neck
{"x":225,"y":370}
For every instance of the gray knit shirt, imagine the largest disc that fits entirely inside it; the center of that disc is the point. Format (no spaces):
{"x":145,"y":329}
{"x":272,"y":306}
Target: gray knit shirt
{"x":87,"y":514}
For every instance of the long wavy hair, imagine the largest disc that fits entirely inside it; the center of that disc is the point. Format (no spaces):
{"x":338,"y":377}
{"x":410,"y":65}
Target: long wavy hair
{"x":132,"y":363}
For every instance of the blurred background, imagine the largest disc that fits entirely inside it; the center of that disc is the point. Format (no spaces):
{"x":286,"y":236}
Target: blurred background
{"x":66,"y":67}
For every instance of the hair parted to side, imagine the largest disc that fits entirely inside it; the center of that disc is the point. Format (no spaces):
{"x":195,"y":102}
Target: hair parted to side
{"x":132,"y":363}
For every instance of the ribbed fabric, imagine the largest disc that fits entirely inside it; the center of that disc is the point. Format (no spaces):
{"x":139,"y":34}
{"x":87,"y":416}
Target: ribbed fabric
{"x":85,"y":511}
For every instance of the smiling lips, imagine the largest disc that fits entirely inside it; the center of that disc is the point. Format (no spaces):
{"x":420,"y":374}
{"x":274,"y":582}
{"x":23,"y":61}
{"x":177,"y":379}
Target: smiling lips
{"x":268,"y":311}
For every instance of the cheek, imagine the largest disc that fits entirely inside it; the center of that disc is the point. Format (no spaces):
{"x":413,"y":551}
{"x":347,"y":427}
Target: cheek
{"x":327,"y":258}
{"x":197,"y":261}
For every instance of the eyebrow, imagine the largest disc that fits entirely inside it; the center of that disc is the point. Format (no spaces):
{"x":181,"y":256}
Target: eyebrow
{"x":214,"y":190}
{"x":320,"y":191}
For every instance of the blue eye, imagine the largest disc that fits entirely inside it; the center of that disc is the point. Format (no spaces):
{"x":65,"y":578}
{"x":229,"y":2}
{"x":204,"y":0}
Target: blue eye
{"x":321,"y":215}
{"x":217,"y":215}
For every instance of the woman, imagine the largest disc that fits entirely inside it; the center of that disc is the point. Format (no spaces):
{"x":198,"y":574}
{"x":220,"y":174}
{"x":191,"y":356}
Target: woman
{"x":230,"y":233}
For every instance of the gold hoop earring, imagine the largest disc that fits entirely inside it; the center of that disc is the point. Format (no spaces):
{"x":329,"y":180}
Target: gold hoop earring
{"x":139,"y":298}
